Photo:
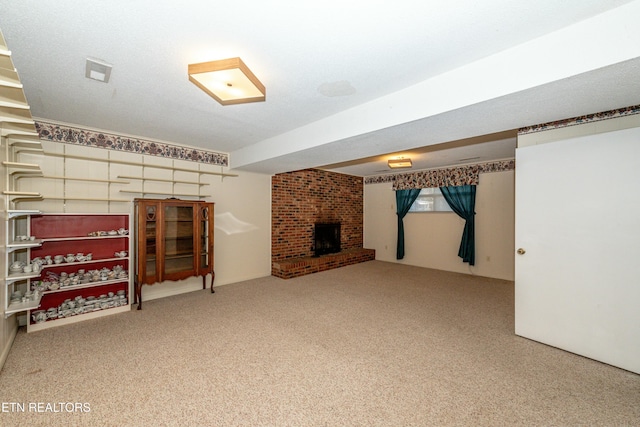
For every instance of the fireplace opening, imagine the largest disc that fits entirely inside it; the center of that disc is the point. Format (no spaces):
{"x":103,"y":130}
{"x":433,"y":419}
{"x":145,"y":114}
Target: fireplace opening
{"x":326,"y":238}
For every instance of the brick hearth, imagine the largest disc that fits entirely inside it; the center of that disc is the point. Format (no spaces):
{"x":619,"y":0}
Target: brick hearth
{"x":303,"y":198}
{"x":295,"y":267}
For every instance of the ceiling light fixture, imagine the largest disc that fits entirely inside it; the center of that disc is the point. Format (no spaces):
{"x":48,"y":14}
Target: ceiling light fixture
{"x":399,"y":163}
{"x":228,"y":81}
{"x":98,"y":70}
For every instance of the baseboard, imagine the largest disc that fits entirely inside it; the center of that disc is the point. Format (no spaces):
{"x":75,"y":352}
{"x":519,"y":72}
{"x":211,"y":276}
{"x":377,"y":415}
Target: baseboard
{"x":238,"y":279}
{"x":169,"y":288}
{"x":8,"y":345}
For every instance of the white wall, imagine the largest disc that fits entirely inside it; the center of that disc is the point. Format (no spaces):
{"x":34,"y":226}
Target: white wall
{"x":432,"y":239}
{"x":240,"y":254}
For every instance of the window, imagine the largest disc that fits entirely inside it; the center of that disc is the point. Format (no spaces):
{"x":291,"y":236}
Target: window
{"x":430,"y":200}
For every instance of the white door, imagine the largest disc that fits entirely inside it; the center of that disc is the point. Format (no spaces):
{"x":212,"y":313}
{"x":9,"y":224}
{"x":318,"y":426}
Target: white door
{"x":578,"y":223}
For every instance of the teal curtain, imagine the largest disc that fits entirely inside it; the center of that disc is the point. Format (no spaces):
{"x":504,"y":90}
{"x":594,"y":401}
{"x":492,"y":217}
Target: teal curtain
{"x":404,"y":200}
{"x":462,"y":200}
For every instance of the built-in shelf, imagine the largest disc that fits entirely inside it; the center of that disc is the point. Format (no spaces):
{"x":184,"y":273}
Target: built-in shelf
{"x":5,"y":62}
{"x":17,"y":199}
{"x":73,"y":319}
{"x":20,"y":165}
{"x":22,"y":169}
{"x":165,"y":193}
{"x":23,"y":141}
{"x":21,"y":193}
{"x":30,"y":150}
{"x":9,"y":78}
{"x":15,"y":115}
{"x":3,"y":45}
{"x":18,"y":307}
{"x":18,"y":196}
{"x":15,"y":213}
{"x":87,"y":199}
{"x":14,"y":277}
{"x":23,"y":244}
{"x":13,"y":97}
{"x":61,"y":232}
{"x":66,"y":239}
{"x":175,"y":181}
{"x":27,"y":174}
{"x":145,"y":165}
{"x":73,"y":178}
{"x":85,"y":285}
{"x":18,"y":129}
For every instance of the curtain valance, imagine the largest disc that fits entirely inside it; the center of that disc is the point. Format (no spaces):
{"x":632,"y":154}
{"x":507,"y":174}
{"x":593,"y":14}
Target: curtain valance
{"x":446,"y":177}
{"x":466,"y":175}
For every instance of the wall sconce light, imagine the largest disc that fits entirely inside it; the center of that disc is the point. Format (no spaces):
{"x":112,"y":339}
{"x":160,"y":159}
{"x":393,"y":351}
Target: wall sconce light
{"x":399,"y":163}
{"x":228,"y":81}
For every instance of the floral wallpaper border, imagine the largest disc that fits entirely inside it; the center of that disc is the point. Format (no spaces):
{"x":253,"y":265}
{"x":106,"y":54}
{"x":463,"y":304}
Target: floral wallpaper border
{"x":462,"y":175}
{"x":605,"y":115}
{"x":89,"y":138}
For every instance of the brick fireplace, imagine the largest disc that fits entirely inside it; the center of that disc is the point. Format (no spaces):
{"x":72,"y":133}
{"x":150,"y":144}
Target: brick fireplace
{"x":302,"y":199}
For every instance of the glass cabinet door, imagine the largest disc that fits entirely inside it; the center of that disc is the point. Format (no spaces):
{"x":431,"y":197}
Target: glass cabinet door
{"x":179,"y":250}
{"x":205,"y":238}
{"x":150,"y":233}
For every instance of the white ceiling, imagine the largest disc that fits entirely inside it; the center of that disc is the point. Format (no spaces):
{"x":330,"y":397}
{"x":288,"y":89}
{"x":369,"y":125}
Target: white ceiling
{"x":349,"y":83}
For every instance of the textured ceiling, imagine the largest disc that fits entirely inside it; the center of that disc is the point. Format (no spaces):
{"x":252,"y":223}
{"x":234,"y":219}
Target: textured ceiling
{"x":348,"y":83}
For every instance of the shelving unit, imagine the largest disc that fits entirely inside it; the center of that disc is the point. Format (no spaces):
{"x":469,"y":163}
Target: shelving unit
{"x":125,"y":180}
{"x":18,"y":251}
{"x":99,"y":279}
{"x":17,"y":132}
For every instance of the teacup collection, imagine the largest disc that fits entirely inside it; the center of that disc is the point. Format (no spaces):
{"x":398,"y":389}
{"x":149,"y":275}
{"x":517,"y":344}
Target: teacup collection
{"x":59,"y":259}
{"x":81,"y":305}
{"x":17,"y":297}
{"x":53,"y":281}
{"x":23,"y":267}
{"x":118,"y":232}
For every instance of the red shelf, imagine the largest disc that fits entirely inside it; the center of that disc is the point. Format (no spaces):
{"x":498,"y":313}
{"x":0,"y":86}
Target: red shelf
{"x":75,"y":225}
{"x":63,"y":234}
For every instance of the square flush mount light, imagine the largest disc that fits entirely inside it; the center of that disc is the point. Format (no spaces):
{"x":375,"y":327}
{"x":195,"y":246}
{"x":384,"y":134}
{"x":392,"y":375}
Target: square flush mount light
{"x":98,"y":70}
{"x":228,"y":81}
{"x":399,"y":163}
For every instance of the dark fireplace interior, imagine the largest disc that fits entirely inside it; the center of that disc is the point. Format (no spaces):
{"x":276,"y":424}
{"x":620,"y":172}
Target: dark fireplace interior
{"x":327,"y":238}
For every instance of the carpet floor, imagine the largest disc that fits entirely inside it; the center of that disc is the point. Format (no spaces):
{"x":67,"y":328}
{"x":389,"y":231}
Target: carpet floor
{"x":373,"y":344}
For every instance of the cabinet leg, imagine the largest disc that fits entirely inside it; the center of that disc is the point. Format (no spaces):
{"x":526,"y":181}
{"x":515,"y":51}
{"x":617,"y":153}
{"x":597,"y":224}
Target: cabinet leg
{"x":213,"y":276}
{"x":138,"y":295}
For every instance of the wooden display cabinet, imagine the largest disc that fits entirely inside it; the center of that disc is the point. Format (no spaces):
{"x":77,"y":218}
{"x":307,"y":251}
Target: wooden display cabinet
{"x":174,"y":241}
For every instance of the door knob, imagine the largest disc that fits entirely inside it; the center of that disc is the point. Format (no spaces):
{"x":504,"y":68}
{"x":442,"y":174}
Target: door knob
{"x":521,"y":251}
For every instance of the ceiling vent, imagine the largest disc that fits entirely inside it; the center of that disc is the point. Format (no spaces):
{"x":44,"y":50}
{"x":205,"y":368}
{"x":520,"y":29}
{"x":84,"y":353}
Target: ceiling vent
{"x":98,"y":70}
